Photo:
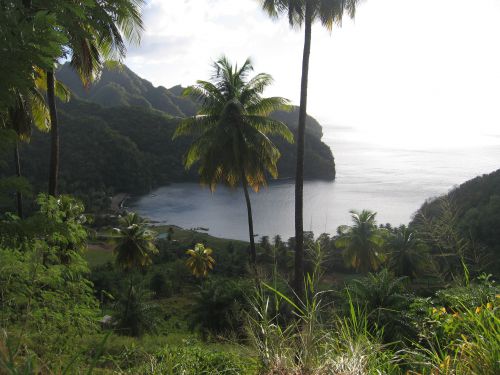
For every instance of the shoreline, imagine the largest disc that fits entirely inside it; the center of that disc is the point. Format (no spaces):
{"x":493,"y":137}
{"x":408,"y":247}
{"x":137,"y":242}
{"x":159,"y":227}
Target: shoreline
{"x":118,"y":201}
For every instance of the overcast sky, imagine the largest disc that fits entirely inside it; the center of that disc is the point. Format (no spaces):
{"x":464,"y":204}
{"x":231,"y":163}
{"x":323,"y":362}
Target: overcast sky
{"x":413,"y":73}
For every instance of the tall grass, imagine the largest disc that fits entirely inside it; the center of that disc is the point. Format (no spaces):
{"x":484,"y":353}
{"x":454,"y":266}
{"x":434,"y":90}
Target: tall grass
{"x":315,"y":340}
{"x":473,"y":345}
{"x":313,"y":337}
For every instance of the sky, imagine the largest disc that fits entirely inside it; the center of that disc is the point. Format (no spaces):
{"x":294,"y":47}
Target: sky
{"x":405,"y":73}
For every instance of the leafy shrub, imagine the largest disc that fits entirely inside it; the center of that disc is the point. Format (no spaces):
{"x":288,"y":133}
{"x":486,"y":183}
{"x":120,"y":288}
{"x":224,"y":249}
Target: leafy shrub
{"x":479,"y":292}
{"x":198,"y":360}
{"x":218,"y":307}
{"x":160,"y":286}
{"x":462,"y":342}
{"x":43,"y":284}
{"x":135,"y":315}
{"x":385,"y":300}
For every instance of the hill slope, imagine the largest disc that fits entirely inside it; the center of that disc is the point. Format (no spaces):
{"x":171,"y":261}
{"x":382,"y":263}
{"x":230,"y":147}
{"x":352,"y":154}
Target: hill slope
{"x":124,"y":143}
{"x":477,"y":202}
{"x":122,"y":87}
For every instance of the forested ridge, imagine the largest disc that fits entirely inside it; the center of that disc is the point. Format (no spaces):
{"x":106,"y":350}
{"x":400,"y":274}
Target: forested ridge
{"x":118,"y":138}
{"x":476,"y":207}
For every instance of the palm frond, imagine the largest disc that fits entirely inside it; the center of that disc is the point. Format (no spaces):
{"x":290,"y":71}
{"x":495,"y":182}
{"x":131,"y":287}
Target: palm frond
{"x":232,"y":126}
{"x":194,"y":126}
{"x":328,"y":12}
{"x":129,"y":20}
{"x":270,"y":126}
{"x":266,"y":106}
{"x":207,"y":94}
{"x":39,"y":110}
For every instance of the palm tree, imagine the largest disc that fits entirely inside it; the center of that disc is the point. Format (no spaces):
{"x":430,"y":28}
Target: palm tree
{"x":383,"y":297}
{"x":134,"y":249}
{"x":377,"y":290}
{"x":29,"y":109}
{"x":361,"y":242}
{"x":135,"y":314}
{"x":135,"y":243}
{"x":19,"y":119}
{"x":407,"y":255}
{"x":200,"y":260}
{"x":329,"y":13}
{"x":231,"y":131}
{"x":96,"y":31}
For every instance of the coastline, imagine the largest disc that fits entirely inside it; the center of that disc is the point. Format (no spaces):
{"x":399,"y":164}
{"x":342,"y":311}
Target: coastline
{"x":118,"y":201}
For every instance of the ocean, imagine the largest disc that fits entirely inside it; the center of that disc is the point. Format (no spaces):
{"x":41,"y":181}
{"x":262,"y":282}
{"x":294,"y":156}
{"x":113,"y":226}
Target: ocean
{"x":392,"y":181}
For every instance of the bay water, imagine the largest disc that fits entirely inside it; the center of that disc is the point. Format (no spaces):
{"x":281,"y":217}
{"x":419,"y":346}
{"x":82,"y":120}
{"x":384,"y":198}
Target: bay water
{"x":393,"y":181}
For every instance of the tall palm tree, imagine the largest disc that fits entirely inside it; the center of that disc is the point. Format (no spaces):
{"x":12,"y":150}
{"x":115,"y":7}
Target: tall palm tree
{"x":329,"y":13}
{"x":362,"y":241}
{"x":134,"y":249}
{"x":20,"y":120}
{"x":95,"y":32}
{"x":135,"y":243}
{"x":231,"y":131}
{"x":200,"y":260}
{"x":29,"y":109}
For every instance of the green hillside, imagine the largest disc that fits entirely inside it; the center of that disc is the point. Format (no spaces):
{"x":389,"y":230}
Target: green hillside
{"x":122,"y":87}
{"x":477,"y":206}
{"x":117,"y":137}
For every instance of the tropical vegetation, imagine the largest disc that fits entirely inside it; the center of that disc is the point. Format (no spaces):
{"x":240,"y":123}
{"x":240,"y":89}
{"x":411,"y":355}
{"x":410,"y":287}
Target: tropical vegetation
{"x":132,"y":147}
{"x":231,"y":131}
{"x":134,"y":243}
{"x":300,"y":12}
{"x":200,"y":260}
{"x":85,"y":289}
{"x":95,"y":32}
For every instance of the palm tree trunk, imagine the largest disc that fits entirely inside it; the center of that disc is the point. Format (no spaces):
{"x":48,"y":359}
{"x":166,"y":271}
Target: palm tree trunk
{"x":19,"y":195}
{"x":129,"y":294}
{"x":299,"y":174}
{"x":253,"y":253}
{"x":54,"y":134}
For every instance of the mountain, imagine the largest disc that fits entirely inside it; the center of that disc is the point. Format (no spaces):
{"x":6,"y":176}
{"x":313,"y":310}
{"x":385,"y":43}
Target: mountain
{"x":477,"y":204}
{"x":116,"y":136}
{"x":122,"y":87}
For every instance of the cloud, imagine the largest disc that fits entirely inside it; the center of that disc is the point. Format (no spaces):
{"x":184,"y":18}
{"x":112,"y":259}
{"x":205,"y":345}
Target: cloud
{"x":428,"y":67}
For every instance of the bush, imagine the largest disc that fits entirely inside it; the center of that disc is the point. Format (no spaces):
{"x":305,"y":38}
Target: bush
{"x":218,"y":307}
{"x":135,"y":315}
{"x":466,"y":341}
{"x":385,"y":300}
{"x":160,"y":286}
{"x":197,"y":360}
{"x":479,"y":292}
{"x":46,"y":301}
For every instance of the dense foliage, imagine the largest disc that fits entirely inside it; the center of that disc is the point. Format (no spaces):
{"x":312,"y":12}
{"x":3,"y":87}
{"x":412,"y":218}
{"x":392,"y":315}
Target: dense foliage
{"x":40,"y":42}
{"x":475,"y":207}
{"x":106,"y":151}
{"x":347,"y":321}
{"x":46,"y":299}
